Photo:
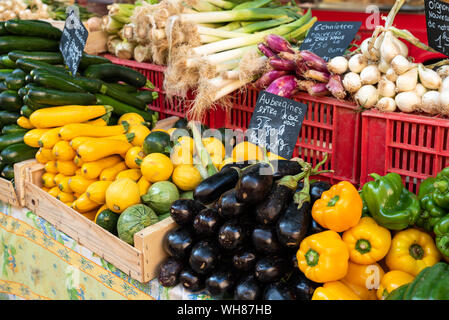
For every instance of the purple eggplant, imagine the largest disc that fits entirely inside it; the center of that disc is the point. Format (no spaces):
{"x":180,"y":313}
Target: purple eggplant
{"x":266,"y":51}
{"x":335,"y":86}
{"x":282,"y":65}
{"x":284,"y":86}
{"x":313,"y":61}
{"x":169,"y":272}
{"x":265,"y":80}
{"x":278,"y":44}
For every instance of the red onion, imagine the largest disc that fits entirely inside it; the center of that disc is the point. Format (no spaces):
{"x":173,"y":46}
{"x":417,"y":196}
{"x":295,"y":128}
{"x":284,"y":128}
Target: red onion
{"x":316,"y":75}
{"x":313,"y":61}
{"x":318,"y":89}
{"x":265,"y":80}
{"x":335,"y":86}
{"x":265,"y":50}
{"x":278,"y":44}
{"x":285,"y":65}
{"x":284,"y":86}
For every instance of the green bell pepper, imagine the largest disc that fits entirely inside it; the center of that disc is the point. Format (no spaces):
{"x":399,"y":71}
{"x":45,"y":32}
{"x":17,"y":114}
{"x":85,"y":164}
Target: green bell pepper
{"x":431,"y":213}
{"x":390,"y":203}
{"x":432,"y":283}
{"x":441,"y":230}
{"x":365,"y":211}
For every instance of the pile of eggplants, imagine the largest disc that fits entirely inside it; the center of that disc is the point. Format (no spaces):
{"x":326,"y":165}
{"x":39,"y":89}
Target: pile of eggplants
{"x":239,"y":236}
{"x":294,"y":70}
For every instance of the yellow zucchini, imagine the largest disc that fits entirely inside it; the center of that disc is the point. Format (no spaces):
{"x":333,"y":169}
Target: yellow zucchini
{"x":25,"y":123}
{"x":49,"y":138}
{"x":91,"y":170}
{"x":133,"y":174}
{"x":73,"y":130}
{"x":48,"y":180}
{"x":78,"y":172}
{"x":84,"y":204}
{"x":144,"y":185}
{"x":140,"y":131}
{"x":67,"y":168}
{"x":64,"y":185}
{"x":133,"y":154}
{"x":93,"y":150}
{"x":58,"y":178}
{"x":79,"y":184}
{"x":101,"y":122}
{"x":77,"y":160}
{"x":54,"y":191}
{"x":60,"y":116}
{"x":40,"y":157}
{"x":65,"y":197}
{"x":76,"y":142}
{"x":31,"y":138}
{"x":63,"y":151}
{"x":50,"y":166}
{"x":109,"y":174}
{"x":46,"y":153}
{"x":97,"y":191}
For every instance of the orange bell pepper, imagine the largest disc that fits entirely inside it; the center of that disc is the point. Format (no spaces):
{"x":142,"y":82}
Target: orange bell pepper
{"x":364,"y":280}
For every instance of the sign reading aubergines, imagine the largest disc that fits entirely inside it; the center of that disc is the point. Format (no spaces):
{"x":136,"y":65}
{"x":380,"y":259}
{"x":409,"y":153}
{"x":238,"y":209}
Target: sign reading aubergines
{"x":275,"y":123}
{"x":329,"y":39}
{"x":73,"y":39}
{"x":437,"y":21}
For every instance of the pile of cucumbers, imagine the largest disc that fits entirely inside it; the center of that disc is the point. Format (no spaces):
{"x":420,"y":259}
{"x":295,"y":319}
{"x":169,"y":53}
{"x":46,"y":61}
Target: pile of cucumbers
{"x":33,"y":76}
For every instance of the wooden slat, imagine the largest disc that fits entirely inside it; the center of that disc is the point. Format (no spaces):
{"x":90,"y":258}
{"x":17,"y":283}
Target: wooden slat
{"x":20,"y":172}
{"x":150,"y":242}
{"x":8,"y":193}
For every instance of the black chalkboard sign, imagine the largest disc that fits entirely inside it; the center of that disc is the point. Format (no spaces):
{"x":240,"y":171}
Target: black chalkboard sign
{"x":275,"y":123}
{"x":437,"y":17}
{"x":73,"y":39}
{"x":329,"y":39}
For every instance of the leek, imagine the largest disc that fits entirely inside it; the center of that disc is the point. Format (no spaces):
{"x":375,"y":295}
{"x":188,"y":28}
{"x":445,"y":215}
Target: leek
{"x":204,"y":6}
{"x":263,"y":25}
{"x":227,"y":5}
{"x":252,"y":4}
{"x":228,"y":16}
{"x":231,"y":26}
{"x":220,"y":33}
{"x":201,"y":151}
{"x":121,"y":12}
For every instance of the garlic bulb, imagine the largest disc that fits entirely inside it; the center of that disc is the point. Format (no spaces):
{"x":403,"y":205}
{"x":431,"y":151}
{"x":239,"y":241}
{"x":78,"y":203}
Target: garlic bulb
{"x":407,"y":101}
{"x":367,"y":96}
{"x":443,"y":71}
{"x":407,"y":81}
{"x":391,"y":75}
{"x":400,"y":64}
{"x":370,"y":74}
{"x":444,"y":102}
{"x":429,"y":78}
{"x":389,"y":47}
{"x":386,"y":104}
{"x":364,"y":48}
{"x":402,"y":46}
{"x":338,"y":65}
{"x":357,"y":62}
{"x":430,"y":102}
{"x":352,"y":82}
{"x":420,"y":89}
{"x":383,"y":66}
{"x":386,"y":88}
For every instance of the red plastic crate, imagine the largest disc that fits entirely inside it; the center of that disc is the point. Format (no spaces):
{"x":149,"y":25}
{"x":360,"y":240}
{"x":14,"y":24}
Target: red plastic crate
{"x":330,"y":126}
{"x":414,"y":146}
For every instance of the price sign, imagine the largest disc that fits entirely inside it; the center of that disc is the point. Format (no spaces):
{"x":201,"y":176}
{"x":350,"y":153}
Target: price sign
{"x":276,"y":123}
{"x":73,"y":39}
{"x":437,"y":18}
{"x":329,"y":39}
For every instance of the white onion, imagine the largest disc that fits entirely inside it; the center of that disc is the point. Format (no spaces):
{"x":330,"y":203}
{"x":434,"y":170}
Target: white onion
{"x":407,"y":101}
{"x":391,"y":75}
{"x":352,"y":82}
{"x":364,"y":48}
{"x":443,"y":71}
{"x":429,"y":78}
{"x":400,"y":64}
{"x":370,"y":74}
{"x":444,"y":102}
{"x":338,"y":65}
{"x":389,"y":48}
{"x":420,"y":89}
{"x":407,"y":81}
{"x":367,"y":96}
{"x":430,"y":102}
{"x":386,"y":104}
{"x":383,"y":66}
{"x":357,"y":62}
{"x":445,"y":85}
{"x":386,"y":88}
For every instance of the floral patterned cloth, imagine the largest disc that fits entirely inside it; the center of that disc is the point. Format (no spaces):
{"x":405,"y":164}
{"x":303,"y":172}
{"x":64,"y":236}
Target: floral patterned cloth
{"x":38,"y":261}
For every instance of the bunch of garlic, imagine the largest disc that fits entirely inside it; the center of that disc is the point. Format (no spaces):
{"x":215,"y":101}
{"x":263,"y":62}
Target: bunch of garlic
{"x":20,"y":9}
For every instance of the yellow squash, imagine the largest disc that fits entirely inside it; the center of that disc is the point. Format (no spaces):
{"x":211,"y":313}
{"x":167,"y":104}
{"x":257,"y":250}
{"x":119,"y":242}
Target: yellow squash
{"x":140,"y":133}
{"x":122,"y":194}
{"x":245,"y":151}
{"x":64,"y":185}
{"x":92,"y":170}
{"x":73,"y":130}
{"x":215,"y":148}
{"x":49,"y":138}
{"x":60,"y":116}
{"x":131,"y":155}
{"x":186,"y":177}
{"x":180,"y":154}
{"x":58,"y":178}
{"x":133,"y":174}
{"x":48,"y":180}
{"x":54,"y":191}
{"x":83,"y":204}
{"x":144,"y":185}
{"x":47,"y":154}
{"x":97,"y":191}
{"x":79,"y":184}
{"x":156,"y":167}
{"x":65,"y":197}
{"x":100,"y":122}
{"x":109,"y":174}
{"x":40,"y":157}
{"x":24,"y":123}
{"x":132,"y":118}
{"x":50,"y":166}
{"x":93,"y":150}
{"x":31,"y":138}
{"x":77,"y":160}
{"x":67,"y":168}
{"x":76,"y":142}
{"x":63,"y":151}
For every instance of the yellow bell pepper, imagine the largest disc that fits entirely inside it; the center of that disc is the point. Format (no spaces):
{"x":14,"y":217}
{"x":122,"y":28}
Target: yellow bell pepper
{"x":411,"y":251}
{"x":392,"y":280}
{"x":339,"y":208}
{"x":367,"y":241}
{"x":323,"y":257}
{"x":363,"y":280}
{"x":334,"y":290}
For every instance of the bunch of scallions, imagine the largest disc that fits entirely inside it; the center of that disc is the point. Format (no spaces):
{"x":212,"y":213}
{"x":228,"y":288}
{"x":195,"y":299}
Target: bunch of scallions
{"x":381,"y":75}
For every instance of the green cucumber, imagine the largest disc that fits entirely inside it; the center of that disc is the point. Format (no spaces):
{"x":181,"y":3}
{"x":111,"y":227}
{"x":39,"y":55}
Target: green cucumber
{"x":88,"y":60}
{"x":47,"y":57}
{"x":8,"y":63}
{"x":33,"y":105}
{"x":4,"y":73}
{"x":8,"y":117}
{"x":3,"y":86}
{"x":10,"y":101}
{"x":22,"y":92}
{"x":124,"y":87}
{"x":15,"y":81}
{"x":28,"y":65}
{"x":60,"y":98}
{"x":10,"y":43}
{"x":8,"y":172}
{"x":9,"y":139}
{"x":121,"y":108}
{"x":12,"y":128}
{"x":114,"y":73}
{"x":52,"y":81}
{"x":90,"y":85}
{"x":146,"y":96}
{"x":32,"y":28}
{"x":17,"y":153}
{"x":3,"y":31}
{"x":28,"y":78}
{"x":125,"y":97}
{"x":26,"y":111}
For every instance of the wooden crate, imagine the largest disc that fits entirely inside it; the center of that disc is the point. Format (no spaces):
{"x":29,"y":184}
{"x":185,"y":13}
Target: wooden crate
{"x":139,"y":262}
{"x":8,"y":193}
